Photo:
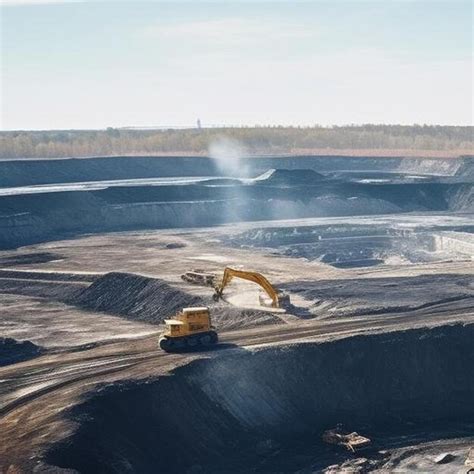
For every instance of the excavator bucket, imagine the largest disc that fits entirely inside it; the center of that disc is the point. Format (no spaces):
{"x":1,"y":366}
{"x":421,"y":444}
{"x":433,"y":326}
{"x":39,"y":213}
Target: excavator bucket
{"x":283,"y":300}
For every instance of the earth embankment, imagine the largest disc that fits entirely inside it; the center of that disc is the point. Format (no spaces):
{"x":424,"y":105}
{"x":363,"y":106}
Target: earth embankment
{"x":268,"y":408}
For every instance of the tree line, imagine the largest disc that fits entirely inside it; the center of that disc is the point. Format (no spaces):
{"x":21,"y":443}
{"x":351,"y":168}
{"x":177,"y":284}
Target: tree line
{"x":255,"y":140}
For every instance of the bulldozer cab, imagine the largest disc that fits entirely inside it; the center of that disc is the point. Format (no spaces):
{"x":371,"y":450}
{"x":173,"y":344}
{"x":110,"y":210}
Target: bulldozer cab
{"x":189,"y":321}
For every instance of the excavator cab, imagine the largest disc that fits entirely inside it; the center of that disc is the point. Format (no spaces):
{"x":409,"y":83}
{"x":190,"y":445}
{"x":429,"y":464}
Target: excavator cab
{"x":189,"y":328}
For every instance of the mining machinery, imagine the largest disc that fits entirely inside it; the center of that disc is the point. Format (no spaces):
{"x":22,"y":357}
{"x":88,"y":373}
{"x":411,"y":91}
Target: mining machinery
{"x":189,"y":329}
{"x":277,"y":298}
{"x":351,"y":441}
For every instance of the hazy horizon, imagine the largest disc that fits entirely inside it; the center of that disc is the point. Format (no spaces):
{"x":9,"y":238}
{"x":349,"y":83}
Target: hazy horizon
{"x":93,"y":65}
{"x":225,"y":126}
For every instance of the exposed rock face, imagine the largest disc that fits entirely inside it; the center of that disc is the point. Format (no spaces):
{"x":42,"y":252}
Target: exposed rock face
{"x":465,"y":169}
{"x":32,"y":172}
{"x":461,"y":198}
{"x":245,"y":409}
{"x":32,"y":218}
{"x":290,"y":187}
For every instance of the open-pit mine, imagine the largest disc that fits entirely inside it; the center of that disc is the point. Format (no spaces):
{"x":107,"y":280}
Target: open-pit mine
{"x":348,"y":348}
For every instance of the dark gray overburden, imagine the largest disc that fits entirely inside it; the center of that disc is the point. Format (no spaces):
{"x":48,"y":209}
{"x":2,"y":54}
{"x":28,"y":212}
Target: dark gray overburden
{"x":13,"y":351}
{"x":47,"y":171}
{"x":267,"y":409}
{"x":38,"y":216}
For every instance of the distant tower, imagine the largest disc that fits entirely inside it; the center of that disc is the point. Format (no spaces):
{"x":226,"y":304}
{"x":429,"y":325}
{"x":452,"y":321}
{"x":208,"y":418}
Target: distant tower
{"x":199,"y":123}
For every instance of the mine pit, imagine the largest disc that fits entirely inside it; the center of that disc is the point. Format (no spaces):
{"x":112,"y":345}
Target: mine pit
{"x":350,"y":246}
{"x":268,"y":408}
{"x":365,"y":325}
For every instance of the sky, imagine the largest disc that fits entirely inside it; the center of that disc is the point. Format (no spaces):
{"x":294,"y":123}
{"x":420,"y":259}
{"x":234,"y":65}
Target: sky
{"x":88,"y":65}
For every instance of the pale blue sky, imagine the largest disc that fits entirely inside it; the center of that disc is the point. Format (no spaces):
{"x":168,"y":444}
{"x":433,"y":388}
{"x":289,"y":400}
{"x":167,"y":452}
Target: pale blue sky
{"x":98,"y":64}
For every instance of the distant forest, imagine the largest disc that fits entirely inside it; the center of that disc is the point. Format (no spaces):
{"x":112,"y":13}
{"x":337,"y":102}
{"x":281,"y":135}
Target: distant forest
{"x":420,"y":140}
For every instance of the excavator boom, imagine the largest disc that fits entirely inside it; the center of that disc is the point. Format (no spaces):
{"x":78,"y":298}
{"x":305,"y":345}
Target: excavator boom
{"x":259,"y":279}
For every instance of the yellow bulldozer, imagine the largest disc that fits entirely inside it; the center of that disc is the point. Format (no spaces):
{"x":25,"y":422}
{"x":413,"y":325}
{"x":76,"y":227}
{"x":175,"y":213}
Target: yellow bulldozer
{"x":190,"y":328}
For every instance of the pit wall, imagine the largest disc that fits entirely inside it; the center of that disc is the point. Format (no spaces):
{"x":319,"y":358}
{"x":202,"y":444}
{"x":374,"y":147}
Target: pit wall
{"x":32,"y":218}
{"x":455,"y":242}
{"x":47,"y":171}
{"x":226,"y":413}
{"x":27,"y":219}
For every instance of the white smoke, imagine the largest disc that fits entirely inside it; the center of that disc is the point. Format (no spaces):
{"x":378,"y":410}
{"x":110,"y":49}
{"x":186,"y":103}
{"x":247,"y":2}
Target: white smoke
{"x":228,"y":154}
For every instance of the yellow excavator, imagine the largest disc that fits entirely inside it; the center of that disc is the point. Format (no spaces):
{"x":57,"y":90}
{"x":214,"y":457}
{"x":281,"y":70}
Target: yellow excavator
{"x":277,"y":298}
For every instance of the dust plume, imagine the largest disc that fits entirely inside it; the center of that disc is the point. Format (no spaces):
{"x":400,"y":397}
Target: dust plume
{"x":228,"y":154}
